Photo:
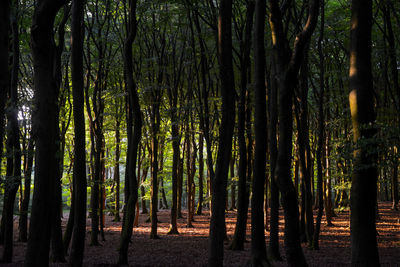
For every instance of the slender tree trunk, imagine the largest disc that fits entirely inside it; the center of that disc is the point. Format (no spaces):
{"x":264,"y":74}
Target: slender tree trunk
{"x":57,"y":250}
{"x":4,"y":61}
{"x":23,"y":218}
{"x":79,"y":174}
{"x":154,"y":171}
{"x":13,"y":147}
{"x":321,"y":130}
{"x":173,"y":229}
{"x":218,"y":184}
{"x":364,"y":250}
{"x":117,"y":218}
{"x":258,"y":247}
{"x":273,"y":122}
{"x":199,"y":209}
{"x":135,"y":120}
{"x":188,"y":175}
{"x":180,"y":185}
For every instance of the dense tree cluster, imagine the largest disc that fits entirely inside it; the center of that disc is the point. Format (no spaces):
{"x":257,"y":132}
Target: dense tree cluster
{"x":125,"y":106}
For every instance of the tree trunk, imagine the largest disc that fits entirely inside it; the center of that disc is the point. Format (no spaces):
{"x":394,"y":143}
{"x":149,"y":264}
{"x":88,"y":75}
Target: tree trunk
{"x":79,"y":175}
{"x":23,"y":218}
{"x":155,"y":123}
{"x":13,"y":148}
{"x":4,"y":67}
{"x":273,"y":248}
{"x":218,"y":184}
{"x":320,"y":138}
{"x":135,"y":121}
{"x":173,"y":229}
{"x":45,"y":131}
{"x":287,"y":66}
{"x":199,"y":208}
{"x":188,"y":175}
{"x":258,"y":247}
{"x":364,"y":250}
{"x":117,"y":218}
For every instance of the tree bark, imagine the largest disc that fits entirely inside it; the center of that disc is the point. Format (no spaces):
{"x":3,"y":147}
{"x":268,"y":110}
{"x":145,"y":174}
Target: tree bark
{"x":135,"y":121}
{"x":45,"y":131}
{"x":23,"y":218}
{"x":273,"y":249}
{"x":79,"y":167}
{"x":288,"y":63}
{"x":321,"y":129}
{"x":258,"y":247}
{"x":364,"y":251}
{"x":4,"y":68}
{"x":218,"y":184}
{"x":13,"y":146}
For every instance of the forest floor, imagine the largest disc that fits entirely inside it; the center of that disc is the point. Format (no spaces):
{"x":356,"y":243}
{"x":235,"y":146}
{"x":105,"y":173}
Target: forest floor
{"x":189,"y":248}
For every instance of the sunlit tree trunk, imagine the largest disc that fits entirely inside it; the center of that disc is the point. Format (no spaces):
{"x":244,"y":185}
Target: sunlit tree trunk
{"x":364,"y":250}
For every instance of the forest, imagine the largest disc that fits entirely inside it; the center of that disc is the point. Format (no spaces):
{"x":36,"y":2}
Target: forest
{"x":199,"y":133}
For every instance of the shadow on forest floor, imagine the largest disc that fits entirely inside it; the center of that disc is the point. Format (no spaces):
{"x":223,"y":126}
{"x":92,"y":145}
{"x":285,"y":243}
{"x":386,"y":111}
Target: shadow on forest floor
{"x":189,"y":248}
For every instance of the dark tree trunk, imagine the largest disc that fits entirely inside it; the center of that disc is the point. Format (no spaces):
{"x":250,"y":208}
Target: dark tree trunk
{"x":395,"y":186}
{"x":258,"y":247}
{"x":23,"y":218}
{"x":57,"y":250}
{"x":304,"y":151}
{"x":79,"y":175}
{"x":45,"y":131}
{"x":173,"y":95}
{"x":4,"y":68}
{"x":199,"y":208}
{"x":13,"y":148}
{"x":233,"y":182}
{"x":218,"y":184}
{"x":135,"y":121}
{"x":116,"y":166}
{"x":287,"y":65}
{"x":273,"y":249}
{"x":155,"y":123}
{"x":364,"y":250}
{"x":189,"y":171}
{"x":79,"y":171}
{"x":180,"y":185}
{"x":320,"y":138}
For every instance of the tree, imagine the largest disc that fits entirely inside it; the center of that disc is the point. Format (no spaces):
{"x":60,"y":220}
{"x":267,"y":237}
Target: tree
{"x":364,"y":251}
{"x":4,"y":70}
{"x":244,"y":172}
{"x":135,"y":122}
{"x":258,"y":248}
{"x":45,"y":131}
{"x":13,"y":171}
{"x":287,"y":64}
{"x":79,"y":172}
{"x":218,"y":198}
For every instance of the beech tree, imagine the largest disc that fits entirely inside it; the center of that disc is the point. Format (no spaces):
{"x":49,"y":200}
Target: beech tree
{"x":287,"y":64}
{"x":45,"y":130}
{"x":364,"y":250}
{"x":218,"y":184}
{"x":79,"y":176}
